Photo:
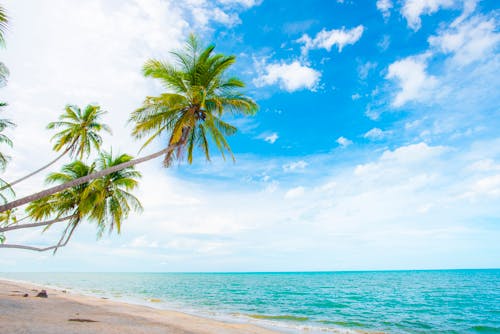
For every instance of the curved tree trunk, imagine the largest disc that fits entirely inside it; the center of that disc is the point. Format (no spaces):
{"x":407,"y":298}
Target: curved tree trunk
{"x":42,"y":249}
{"x":49,"y":222}
{"x":9,"y":185}
{"x":81,"y":180}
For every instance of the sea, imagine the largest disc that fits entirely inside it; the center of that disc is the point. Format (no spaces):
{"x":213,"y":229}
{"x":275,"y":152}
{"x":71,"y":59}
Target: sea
{"x":420,"y":301}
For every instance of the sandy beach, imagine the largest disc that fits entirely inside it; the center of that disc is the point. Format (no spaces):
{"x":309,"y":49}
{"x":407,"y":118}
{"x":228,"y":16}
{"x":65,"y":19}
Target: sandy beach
{"x":66,"y":313}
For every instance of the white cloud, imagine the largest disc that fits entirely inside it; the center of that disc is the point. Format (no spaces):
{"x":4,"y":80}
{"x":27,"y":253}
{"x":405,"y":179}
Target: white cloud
{"x":385,"y":6}
{"x":384,"y":42}
{"x":365,"y":69}
{"x":408,"y":198}
{"x":295,"y":192}
{"x":221,"y":16}
{"x":373,"y":114}
{"x":413,"y":9}
{"x":414,"y":153}
{"x":40,"y":86}
{"x":344,"y":142}
{"x":143,"y":242}
{"x":289,"y":76}
{"x":469,"y":6}
{"x":204,"y":12}
{"x":376,"y":134}
{"x":355,"y":96}
{"x":488,"y":186}
{"x":415,"y":84}
{"x":244,"y":3}
{"x":485,"y":165}
{"x":294,"y":166}
{"x":326,"y":39}
{"x":472,"y":40}
{"x":271,"y":138}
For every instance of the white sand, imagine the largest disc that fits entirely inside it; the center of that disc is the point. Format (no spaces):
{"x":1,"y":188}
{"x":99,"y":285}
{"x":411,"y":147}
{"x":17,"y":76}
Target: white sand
{"x":52,"y":315}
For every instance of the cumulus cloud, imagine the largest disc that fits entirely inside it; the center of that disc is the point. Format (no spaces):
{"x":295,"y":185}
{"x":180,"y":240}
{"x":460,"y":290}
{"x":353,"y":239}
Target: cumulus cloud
{"x":472,"y":40}
{"x":414,"y":82}
{"x":229,"y":19}
{"x":410,"y":197}
{"x":407,"y":197}
{"x":295,"y":192}
{"x":412,"y":10}
{"x":295,"y":166}
{"x":271,"y":138}
{"x":385,"y":6}
{"x":326,"y":39}
{"x":414,"y":153}
{"x":376,"y":134}
{"x":204,"y":12}
{"x":289,"y":76}
{"x":487,"y":186}
{"x":343,"y":141}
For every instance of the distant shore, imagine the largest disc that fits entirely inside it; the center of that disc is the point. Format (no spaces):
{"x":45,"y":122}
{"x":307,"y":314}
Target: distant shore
{"x":64,"y":312}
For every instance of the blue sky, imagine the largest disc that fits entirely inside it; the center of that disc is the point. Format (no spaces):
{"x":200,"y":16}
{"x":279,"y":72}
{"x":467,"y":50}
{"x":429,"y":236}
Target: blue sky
{"x":376,"y":145}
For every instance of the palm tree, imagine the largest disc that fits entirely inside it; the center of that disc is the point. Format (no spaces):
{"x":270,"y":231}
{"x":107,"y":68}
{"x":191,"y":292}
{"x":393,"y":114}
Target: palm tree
{"x":106,"y":201}
{"x":3,"y":25}
{"x":108,"y":198}
{"x":80,"y":132}
{"x":4,"y":124}
{"x":192,"y":112}
{"x":67,"y":204}
{"x":4,"y":71}
{"x":190,"y":115}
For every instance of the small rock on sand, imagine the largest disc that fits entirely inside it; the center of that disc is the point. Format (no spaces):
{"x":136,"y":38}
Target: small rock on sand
{"x":42,"y":294}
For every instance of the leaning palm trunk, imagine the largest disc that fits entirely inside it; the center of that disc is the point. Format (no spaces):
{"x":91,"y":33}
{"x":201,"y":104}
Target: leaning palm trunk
{"x":9,"y":185}
{"x":81,"y":180}
{"x":43,"y":249}
{"x":46,"y":223}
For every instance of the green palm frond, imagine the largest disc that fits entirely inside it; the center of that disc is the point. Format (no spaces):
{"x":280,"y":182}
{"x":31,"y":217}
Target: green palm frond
{"x":80,"y":130}
{"x":107,"y":201}
{"x":111,"y":197}
{"x":4,"y":124}
{"x":200,"y":95}
{"x":4,"y":19}
{"x":4,"y":73}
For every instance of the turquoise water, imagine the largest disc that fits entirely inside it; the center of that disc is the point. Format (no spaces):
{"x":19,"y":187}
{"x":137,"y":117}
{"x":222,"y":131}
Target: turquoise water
{"x":445,"y":301}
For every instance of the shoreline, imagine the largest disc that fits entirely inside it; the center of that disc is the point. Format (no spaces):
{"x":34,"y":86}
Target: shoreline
{"x":68,"y":312}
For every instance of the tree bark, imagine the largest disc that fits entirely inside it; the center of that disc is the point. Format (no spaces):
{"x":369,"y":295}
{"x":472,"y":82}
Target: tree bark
{"x":9,"y":185}
{"x":49,"y":222}
{"x":87,"y":178}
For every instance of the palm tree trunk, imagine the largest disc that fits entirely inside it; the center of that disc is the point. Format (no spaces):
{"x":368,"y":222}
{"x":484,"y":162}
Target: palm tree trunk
{"x":49,"y":222}
{"x":41,"y":249}
{"x":60,"y":244}
{"x":81,"y":180}
{"x":9,"y":185}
